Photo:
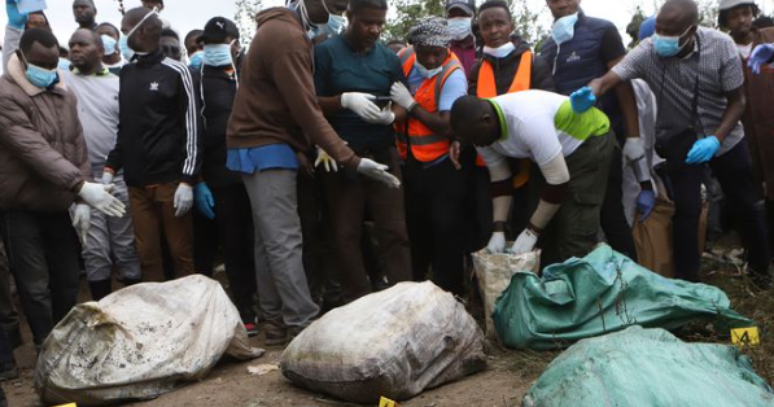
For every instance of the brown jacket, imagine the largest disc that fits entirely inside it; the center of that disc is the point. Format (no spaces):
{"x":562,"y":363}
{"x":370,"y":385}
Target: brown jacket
{"x":43,"y":157}
{"x":758,"y":118}
{"x":276,"y":101}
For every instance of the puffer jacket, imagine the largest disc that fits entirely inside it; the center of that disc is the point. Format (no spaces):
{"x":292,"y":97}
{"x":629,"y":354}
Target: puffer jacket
{"x":43,"y":156}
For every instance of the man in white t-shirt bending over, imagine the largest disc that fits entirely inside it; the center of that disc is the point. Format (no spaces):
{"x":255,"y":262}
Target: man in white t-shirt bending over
{"x":572,"y":150}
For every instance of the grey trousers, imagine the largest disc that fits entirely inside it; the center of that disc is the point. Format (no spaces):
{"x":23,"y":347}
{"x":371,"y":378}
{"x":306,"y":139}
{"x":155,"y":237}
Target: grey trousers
{"x":282,"y":286}
{"x":111,"y":241}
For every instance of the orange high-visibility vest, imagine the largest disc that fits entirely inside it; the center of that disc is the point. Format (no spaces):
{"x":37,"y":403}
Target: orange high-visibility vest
{"x":426,"y":146}
{"x":487,"y":88}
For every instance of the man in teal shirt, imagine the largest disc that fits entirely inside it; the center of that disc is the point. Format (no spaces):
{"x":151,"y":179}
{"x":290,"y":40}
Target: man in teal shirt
{"x":353,"y":77}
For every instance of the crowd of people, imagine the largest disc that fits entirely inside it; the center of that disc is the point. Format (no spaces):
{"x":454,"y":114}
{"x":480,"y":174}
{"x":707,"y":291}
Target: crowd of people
{"x":325,"y":162}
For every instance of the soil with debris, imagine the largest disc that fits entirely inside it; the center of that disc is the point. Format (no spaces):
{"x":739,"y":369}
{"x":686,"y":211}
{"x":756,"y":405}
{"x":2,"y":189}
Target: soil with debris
{"x":507,"y":378}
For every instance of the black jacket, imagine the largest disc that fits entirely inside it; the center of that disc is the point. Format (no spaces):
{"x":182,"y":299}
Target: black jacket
{"x":505,"y":70}
{"x":158,"y":136}
{"x":219,"y":88}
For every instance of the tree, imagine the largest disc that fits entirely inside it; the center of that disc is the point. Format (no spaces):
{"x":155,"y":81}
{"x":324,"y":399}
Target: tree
{"x":633,"y":29}
{"x":245,"y":18}
{"x":408,"y":13}
{"x":527,"y":22}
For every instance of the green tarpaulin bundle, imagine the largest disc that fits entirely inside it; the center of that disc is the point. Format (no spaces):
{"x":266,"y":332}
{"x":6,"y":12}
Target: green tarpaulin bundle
{"x":649,"y":367}
{"x":601,"y":293}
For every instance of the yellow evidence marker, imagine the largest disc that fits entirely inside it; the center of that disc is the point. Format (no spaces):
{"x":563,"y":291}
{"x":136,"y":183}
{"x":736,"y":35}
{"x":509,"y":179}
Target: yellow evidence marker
{"x":746,"y":337}
{"x":385,"y":402}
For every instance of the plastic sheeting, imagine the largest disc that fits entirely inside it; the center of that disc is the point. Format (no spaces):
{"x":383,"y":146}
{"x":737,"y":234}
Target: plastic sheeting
{"x":639,"y":367}
{"x":601,"y":293}
{"x":140,"y":343}
{"x":395,"y":343}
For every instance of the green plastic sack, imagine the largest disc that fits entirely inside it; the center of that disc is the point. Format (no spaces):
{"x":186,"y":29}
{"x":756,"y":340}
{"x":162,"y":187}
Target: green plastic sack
{"x":649,"y":367}
{"x":601,"y":293}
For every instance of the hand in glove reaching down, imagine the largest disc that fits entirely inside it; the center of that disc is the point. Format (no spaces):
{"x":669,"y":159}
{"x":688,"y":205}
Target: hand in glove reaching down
{"x":98,"y":197}
{"x":379,"y":172}
{"x":525,"y":243}
{"x":326,"y":161}
{"x":496,"y":243}
{"x":184,"y":199}
{"x":82,"y":221}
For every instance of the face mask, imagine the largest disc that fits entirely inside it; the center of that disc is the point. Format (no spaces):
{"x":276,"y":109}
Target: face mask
{"x":64,"y":64}
{"x":336,"y":23}
{"x":427,"y":73}
{"x":109,"y":43}
{"x":668,"y":46}
{"x":564,"y":28}
{"x":459,"y":27}
{"x":217,"y":55}
{"x":127,"y":52}
{"x":196,"y":60}
{"x":501,"y":51}
{"x":42,"y":78}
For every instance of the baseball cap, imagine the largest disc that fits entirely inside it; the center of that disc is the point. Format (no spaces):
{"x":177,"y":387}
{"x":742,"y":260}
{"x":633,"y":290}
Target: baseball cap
{"x":217,"y":29}
{"x":468,"y":6}
{"x":729,"y":4}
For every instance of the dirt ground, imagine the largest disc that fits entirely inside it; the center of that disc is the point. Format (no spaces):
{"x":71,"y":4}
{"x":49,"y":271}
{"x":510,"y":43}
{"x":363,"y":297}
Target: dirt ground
{"x":503,"y":384}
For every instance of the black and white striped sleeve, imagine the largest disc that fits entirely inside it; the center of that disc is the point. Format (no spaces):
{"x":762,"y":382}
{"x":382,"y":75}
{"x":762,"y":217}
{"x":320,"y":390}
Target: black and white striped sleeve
{"x":189,"y":102}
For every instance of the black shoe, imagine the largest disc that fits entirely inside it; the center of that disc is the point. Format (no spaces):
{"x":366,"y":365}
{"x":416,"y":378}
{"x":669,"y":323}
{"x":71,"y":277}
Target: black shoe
{"x":131,"y":281}
{"x":100,"y":289}
{"x":8,"y":371}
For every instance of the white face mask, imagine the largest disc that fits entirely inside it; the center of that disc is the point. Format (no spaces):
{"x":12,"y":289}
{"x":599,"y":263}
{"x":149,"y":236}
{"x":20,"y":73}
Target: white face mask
{"x":427,"y":73}
{"x":460,"y":27}
{"x":501,"y":51}
{"x":564,"y":29}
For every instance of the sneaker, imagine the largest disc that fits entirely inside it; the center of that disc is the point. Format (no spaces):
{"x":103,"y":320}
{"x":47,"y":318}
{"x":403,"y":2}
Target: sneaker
{"x":8,"y":371}
{"x":252,"y":329}
{"x":276,"y":334}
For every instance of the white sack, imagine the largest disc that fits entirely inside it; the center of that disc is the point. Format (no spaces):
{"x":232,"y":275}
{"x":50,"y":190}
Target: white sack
{"x":395,"y":343}
{"x":140,"y":343}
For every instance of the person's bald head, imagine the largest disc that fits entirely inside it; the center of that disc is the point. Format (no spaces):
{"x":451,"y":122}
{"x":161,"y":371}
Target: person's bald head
{"x":475,"y":121}
{"x":684,"y":13}
{"x":86,"y":51}
{"x":145,"y":28}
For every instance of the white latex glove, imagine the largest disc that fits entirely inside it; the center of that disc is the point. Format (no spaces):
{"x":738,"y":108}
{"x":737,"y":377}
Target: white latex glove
{"x":372,"y":169}
{"x":634,"y":149}
{"x":82,"y":221}
{"x":525,"y":243}
{"x":184,"y":199}
{"x":107,"y":178}
{"x":99,"y":198}
{"x":385,"y":116}
{"x":360,"y":103}
{"x":402,"y":96}
{"x":326,"y":161}
{"x":496,"y":243}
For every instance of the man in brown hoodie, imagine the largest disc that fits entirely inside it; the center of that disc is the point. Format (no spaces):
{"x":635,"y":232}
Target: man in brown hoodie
{"x":275,"y":115}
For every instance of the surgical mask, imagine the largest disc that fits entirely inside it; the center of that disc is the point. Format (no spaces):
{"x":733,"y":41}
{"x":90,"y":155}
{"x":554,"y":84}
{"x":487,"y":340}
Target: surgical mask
{"x":501,"y":51}
{"x":427,"y":73}
{"x":460,"y":27}
{"x":109,"y":43}
{"x":127,"y":52}
{"x":64,"y":64}
{"x":40,"y":77}
{"x":217,"y":55}
{"x":196,"y":60}
{"x":666,"y":46}
{"x":564,"y":29}
{"x":336,"y":23}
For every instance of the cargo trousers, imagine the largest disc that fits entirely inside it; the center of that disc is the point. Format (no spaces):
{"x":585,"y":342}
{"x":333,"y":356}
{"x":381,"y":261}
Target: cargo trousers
{"x":573,"y":232}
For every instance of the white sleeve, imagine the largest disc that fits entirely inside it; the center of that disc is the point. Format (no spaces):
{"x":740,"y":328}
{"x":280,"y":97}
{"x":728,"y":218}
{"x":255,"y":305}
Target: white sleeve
{"x":499,"y":170}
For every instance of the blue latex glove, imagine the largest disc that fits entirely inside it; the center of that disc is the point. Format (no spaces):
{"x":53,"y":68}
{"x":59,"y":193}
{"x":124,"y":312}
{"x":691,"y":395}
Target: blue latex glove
{"x":582,"y":100}
{"x":15,"y":18}
{"x":760,"y":56}
{"x":205,"y":202}
{"x":646,"y":201}
{"x":703,"y":150}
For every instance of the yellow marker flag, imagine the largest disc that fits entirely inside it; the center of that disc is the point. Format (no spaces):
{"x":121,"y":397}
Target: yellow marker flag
{"x":746,"y":337}
{"x":385,"y":402}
